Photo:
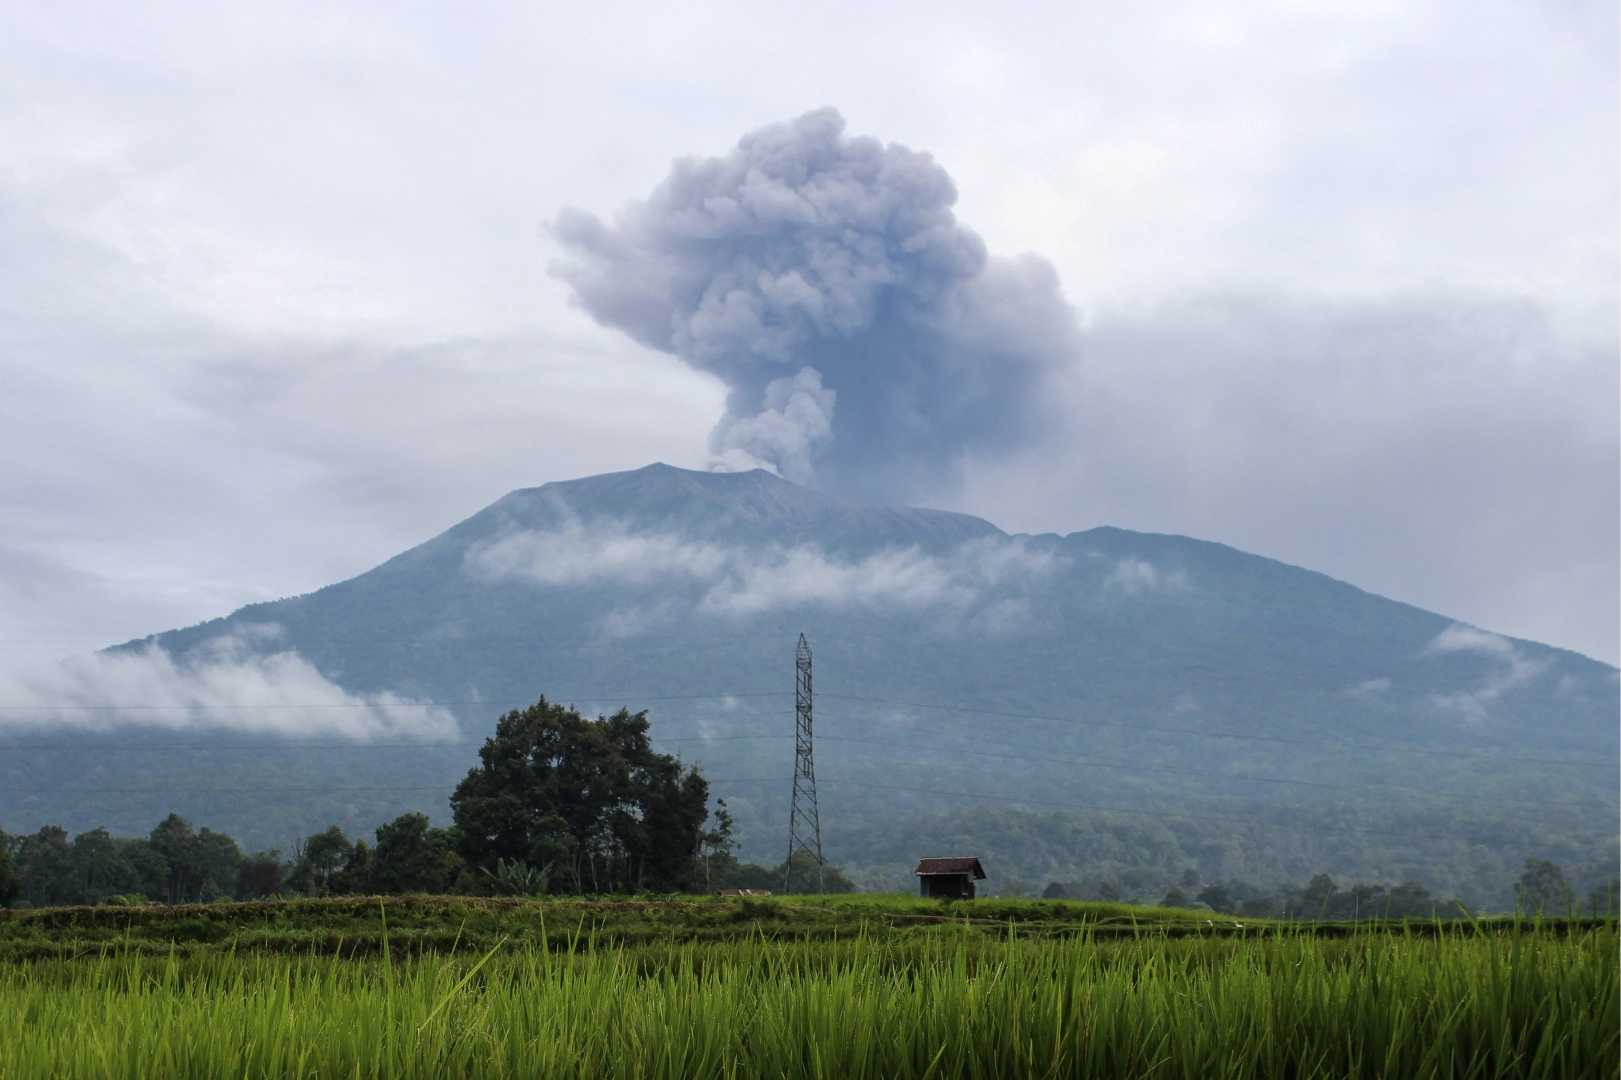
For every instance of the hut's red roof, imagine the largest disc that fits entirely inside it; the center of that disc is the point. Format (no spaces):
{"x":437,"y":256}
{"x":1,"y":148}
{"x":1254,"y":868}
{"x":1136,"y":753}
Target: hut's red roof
{"x":957,"y":864}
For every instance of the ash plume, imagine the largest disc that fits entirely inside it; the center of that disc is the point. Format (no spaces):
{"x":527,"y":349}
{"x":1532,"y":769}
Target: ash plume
{"x":869,"y":343}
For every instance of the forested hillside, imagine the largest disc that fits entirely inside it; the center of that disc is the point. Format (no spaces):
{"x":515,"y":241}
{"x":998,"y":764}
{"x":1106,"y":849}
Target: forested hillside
{"x":1100,"y":673}
{"x":1252,"y":851}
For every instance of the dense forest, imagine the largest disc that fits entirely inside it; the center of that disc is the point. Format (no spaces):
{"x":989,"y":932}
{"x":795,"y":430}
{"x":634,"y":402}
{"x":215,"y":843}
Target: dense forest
{"x":177,"y":864}
{"x":562,"y":804}
{"x":1254,"y":851}
{"x":557,"y":804}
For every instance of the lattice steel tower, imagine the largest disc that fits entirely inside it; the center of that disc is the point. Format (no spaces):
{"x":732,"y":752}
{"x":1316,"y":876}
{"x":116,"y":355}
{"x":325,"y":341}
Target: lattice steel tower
{"x":804,"y":823}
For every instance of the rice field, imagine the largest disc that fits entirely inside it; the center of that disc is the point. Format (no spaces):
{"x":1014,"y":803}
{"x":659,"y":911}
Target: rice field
{"x":949,"y":1000}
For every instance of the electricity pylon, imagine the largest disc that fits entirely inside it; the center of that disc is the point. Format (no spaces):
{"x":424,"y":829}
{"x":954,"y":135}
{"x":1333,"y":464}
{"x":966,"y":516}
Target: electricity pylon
{"x":804,"y":823}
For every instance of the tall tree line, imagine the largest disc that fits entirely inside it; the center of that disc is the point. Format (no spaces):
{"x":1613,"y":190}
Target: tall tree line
{"x":557,"y":803}
{"x":174,"y":864}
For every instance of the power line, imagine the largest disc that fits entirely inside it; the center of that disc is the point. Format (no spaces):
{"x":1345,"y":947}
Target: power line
{"x":222,"y":791}
{"x":278,"y":791}
{"x":595,"y":696}
{"x":644,"y":642}
{"x":352,"y":745}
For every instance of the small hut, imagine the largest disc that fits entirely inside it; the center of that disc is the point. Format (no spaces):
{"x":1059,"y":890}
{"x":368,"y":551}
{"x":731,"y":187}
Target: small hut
{"x":949,"y":879}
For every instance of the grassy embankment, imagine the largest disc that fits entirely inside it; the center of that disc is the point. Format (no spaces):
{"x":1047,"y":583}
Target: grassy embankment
{"x":853,"y":987}
{"x":353,"y":927}
{"x":417,"y":924}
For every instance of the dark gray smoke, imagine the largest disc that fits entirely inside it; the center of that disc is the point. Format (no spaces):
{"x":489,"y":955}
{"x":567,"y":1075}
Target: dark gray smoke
{"x":868,"y":341}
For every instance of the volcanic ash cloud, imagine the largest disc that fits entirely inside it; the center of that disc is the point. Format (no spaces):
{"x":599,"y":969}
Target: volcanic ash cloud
{"x":869,"y":343}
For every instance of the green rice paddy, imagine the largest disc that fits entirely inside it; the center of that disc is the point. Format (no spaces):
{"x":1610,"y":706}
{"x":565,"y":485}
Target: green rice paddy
{"x":867,"y":989}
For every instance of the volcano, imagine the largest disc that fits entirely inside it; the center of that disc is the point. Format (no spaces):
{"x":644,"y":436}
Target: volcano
{"x":954,"y":662}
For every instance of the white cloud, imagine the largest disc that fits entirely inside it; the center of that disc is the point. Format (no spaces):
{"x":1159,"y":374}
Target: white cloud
{"x":903,"y":577}
{"x":1512,"y":669}
{"x":737,"y":580}
{"x":1461,"y":638}
{"x":1132,"y":576}
{"x":236,"y":683}
{"x":576,"y":554}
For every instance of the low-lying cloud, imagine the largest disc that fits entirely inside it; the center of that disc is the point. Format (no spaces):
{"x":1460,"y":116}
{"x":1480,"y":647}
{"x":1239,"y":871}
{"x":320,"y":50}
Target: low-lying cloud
{"x":577,"y":554}
{"x":1132,"y":576}
{"x":867,"y":339}
{"x":1511,"y":669}
{"x":236,"y":683}
{"x":735,"y":580}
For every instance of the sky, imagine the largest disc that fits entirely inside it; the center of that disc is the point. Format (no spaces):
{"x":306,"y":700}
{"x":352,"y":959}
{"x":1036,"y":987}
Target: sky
{"x":285,"y":291}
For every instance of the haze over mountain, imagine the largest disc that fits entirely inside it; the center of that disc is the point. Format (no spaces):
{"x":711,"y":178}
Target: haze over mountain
{"x":955,"y":665}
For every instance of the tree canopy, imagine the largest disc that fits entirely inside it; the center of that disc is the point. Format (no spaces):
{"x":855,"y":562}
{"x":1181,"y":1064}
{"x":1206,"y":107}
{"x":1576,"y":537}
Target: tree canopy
{"x":11,"y":886}
{"x":175,"y":863}
{"x":588,"y":798}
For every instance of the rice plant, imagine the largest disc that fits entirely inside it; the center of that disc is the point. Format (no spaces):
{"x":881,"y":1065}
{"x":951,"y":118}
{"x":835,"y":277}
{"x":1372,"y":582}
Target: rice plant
{"x":946,"y":1002}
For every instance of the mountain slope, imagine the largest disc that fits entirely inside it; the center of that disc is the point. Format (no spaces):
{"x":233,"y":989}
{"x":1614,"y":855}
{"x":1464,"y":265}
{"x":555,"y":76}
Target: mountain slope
{"x":954,"y":663}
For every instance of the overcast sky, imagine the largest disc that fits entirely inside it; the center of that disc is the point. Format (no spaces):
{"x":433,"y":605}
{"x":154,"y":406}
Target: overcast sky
{"x":280,"y":291}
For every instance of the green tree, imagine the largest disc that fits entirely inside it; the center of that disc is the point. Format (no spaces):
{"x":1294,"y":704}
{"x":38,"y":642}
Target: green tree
{"x":318,"y":860}
{"x":805,"y":879}
{"x":355,"y":877}
{"x":218,"y":861}
{"x":1259,"y":906}
{"x":96,"y":869}
{"x":11,"y":886}
{"x":1605,"y":899}
{"x":1312,"y":902}
{"x":410,"y":857}
{"x":555,"y":789}
{"x":173,"y":838}
{"x":1409,"y":900}
{"x":716,"y":845}
{"x":150,"y":867}
{"x":42,"y":865}
{"x":1218,"y":896}
{"x":261,"y":874}
{"x":202,"y":865}
{"x":1541,"y":887}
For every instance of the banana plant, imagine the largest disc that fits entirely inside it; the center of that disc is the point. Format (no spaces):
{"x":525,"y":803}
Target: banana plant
{"x":518,"y":878}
